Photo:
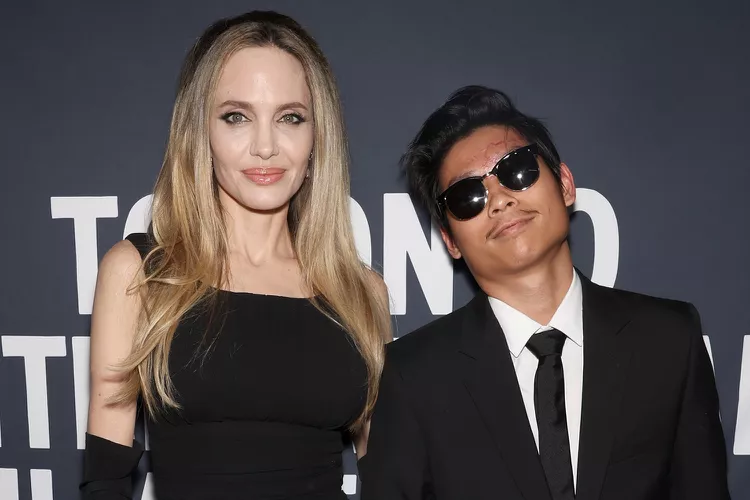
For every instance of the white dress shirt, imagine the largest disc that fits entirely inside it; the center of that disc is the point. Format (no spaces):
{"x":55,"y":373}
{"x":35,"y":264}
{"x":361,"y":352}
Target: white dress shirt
{"x":518,"y":330}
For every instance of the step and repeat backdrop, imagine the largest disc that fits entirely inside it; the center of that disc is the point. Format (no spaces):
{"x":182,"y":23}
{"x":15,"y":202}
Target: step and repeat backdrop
{"x":648,"y":103}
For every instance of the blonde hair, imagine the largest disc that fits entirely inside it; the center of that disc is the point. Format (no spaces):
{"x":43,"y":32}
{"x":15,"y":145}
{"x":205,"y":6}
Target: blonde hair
{"x":189,"y":261}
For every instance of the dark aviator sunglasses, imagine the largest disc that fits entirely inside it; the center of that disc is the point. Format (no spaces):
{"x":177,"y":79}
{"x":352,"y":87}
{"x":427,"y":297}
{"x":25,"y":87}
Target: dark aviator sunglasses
{"x":518,"y":171}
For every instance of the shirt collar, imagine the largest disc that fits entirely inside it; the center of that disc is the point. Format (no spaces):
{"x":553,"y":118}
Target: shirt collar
{"x":519,"y":328}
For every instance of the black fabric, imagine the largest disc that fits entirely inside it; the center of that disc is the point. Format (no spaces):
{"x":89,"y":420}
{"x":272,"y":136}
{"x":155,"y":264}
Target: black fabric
{"x":107,"y":469}
{"x":143,"y":242}
{"x":551,"y":419}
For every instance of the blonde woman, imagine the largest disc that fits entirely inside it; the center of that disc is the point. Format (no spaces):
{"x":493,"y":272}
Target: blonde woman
{"x":244,"y":321}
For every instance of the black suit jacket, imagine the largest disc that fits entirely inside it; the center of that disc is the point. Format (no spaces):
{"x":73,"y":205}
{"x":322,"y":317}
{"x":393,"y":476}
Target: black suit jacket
{"x":450,"y":421}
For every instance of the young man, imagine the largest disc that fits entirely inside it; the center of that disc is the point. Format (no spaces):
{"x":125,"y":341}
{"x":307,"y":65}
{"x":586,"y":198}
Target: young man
{"x":545,"y":386}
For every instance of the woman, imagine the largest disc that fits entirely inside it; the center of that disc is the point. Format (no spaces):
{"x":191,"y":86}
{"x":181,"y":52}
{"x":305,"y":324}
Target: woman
{"x":244,"y":321}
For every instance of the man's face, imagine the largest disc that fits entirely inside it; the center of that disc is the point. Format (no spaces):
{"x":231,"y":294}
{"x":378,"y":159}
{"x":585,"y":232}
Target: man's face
{"x":516,"y":230}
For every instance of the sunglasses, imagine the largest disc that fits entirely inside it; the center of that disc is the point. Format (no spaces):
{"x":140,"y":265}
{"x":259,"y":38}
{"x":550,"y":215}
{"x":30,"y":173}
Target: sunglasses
{"x":518,"y":171}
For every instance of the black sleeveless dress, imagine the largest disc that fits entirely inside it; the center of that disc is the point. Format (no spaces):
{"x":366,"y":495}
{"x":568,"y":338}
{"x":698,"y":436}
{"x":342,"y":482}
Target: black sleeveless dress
{"x":264,"y":409}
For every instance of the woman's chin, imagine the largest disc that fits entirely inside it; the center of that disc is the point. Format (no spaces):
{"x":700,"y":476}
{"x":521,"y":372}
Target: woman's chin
{"x":266,"y":206}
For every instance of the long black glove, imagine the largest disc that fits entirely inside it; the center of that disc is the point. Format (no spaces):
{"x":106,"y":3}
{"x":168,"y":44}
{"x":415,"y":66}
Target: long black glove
{"x":107,"y":469}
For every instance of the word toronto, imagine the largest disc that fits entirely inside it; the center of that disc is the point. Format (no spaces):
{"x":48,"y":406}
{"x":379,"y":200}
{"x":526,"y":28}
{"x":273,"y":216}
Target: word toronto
{"x":403,"y":239}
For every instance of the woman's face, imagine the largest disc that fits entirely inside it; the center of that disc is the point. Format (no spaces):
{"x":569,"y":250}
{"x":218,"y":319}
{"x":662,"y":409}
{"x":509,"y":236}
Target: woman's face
{"x":261,"y":128}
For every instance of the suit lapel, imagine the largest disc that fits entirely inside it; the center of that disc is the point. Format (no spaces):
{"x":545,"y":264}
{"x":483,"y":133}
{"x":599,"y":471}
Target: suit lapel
{"x":606,"y":355}
{"x":489,"y":377}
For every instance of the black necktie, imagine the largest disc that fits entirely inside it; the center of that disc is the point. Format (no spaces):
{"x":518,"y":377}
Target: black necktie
{"x":549,"y":401}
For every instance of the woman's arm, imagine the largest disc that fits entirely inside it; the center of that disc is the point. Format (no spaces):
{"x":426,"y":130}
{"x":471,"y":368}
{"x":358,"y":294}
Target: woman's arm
{"x":113,"y":324}
{"x":111,"y":454}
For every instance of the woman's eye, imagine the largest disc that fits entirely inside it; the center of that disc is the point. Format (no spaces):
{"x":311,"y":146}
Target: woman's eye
{"x":292,"y":118}
{"x":233,"y":118}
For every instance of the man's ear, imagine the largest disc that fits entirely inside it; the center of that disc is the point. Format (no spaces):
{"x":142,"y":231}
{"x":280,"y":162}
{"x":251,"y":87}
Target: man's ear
{"x":568,"y":185}
{"x":450,"y":244}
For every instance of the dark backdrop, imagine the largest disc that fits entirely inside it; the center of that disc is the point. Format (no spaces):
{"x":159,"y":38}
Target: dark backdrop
{"x":647,"y":101}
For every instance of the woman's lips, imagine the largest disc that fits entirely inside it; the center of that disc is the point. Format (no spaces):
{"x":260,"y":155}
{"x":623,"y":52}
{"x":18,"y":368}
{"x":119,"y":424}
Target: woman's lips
{"x":264,"y":176}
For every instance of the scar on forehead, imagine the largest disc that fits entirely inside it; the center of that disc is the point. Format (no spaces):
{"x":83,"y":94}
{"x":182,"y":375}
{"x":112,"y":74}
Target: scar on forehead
{"x":489,"y":152}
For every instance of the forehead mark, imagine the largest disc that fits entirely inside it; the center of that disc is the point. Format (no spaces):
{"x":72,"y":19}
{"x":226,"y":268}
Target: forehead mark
{"x":479,"y":162}
{"x":489,"y":154}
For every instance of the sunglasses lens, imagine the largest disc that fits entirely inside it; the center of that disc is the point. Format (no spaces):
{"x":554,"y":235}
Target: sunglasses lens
{"x":519,"y":171}
{"x":466,"y":198}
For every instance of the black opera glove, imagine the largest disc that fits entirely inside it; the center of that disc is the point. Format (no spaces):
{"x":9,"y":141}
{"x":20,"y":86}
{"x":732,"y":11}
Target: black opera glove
{"x":108,"y":468}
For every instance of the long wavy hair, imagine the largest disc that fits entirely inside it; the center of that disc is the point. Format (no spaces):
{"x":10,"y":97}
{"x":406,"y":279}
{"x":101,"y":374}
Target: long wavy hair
{"x":189,"y":260}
